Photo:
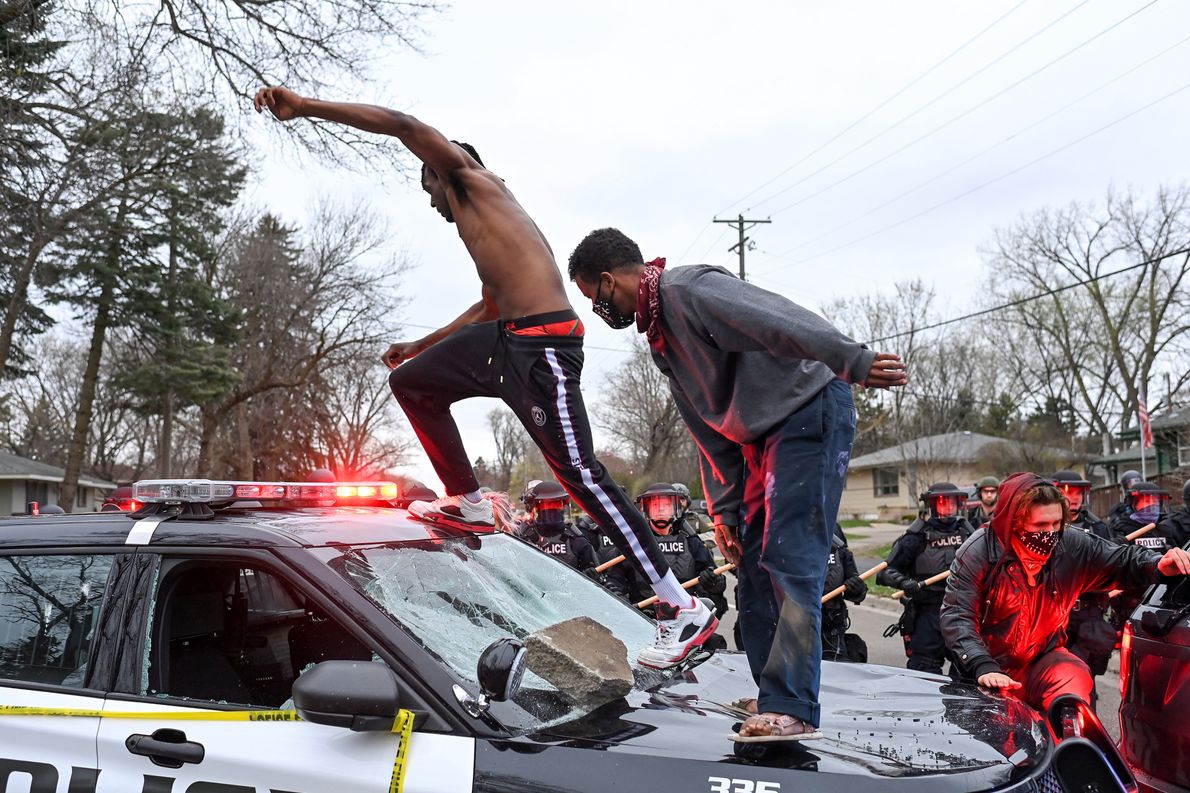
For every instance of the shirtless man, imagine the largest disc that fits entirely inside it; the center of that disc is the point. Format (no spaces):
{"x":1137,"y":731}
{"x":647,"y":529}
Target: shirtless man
{"x":522,"y":342}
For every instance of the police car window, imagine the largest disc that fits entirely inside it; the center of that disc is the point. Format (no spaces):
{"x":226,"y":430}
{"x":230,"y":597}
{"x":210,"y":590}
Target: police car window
{"x":457,"y":596}
{"x":237,"y":634}
{"x":48,"y":609}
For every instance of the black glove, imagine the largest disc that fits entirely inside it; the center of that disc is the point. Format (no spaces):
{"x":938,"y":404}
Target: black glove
{"x":711,"y":582}
{"x":911,"y":587}
{"x":855,"y":589}
{"x":595,"y":575}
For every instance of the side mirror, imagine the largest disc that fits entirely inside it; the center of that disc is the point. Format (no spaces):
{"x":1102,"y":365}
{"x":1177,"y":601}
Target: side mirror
{"x":500,"y":669}
{"x":359,"y":695}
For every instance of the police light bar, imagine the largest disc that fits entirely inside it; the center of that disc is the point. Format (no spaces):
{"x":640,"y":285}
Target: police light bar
{"x":206,"y":490}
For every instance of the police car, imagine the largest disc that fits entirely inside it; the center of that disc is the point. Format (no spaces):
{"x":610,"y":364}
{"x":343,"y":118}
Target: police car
{"x":232,"y":637}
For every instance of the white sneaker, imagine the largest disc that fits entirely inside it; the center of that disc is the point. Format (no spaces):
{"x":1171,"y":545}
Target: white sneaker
{"x":456,"y":511}
{"x":679,"y":632}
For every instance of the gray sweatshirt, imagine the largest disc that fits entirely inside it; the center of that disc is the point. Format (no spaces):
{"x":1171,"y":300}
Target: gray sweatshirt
{"x":740,"y":360}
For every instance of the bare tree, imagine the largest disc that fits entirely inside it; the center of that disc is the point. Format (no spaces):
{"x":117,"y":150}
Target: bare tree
{"x":306,"y":306}
{"x":512,"y":446}
{"x":1098,"y":344}
{"x":640,"y":414}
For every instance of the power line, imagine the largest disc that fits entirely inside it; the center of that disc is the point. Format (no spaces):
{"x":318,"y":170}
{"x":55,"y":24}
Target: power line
{"x":928,"y":104}
{"x":690,"y":247}
{"x":960,"y":116}
{"x":711,"y":247}
{"x":1031,"y":298}
{"x":878,"y":107}
{"x":989,"y":149}
{"x":992,"y":181}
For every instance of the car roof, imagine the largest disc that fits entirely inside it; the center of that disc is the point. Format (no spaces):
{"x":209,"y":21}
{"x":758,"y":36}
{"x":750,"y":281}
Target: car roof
{"x":229,"y":527}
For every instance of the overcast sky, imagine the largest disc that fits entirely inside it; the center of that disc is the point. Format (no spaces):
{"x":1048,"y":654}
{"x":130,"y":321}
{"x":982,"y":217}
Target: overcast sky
{"x":656,"y":117}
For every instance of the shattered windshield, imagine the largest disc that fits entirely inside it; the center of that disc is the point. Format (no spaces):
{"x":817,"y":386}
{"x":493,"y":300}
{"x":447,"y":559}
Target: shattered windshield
{"x":458,"y":595}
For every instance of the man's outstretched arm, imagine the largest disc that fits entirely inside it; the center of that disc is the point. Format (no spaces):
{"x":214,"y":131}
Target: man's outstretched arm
{"x":400,"y":352}
{"x":427,"y":144}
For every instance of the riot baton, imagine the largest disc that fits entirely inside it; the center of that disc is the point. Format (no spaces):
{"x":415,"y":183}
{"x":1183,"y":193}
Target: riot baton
{"x":609,"y":564}
{"x":1129,"y":538}
{"x":834,"y":593}
{"x":718,"y":571}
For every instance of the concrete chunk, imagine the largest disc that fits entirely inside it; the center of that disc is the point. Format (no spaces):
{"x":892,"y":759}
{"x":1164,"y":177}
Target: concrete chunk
{"x":582,"y":658}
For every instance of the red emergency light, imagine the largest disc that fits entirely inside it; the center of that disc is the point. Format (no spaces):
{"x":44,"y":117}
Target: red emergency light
{"x":208,"y":491}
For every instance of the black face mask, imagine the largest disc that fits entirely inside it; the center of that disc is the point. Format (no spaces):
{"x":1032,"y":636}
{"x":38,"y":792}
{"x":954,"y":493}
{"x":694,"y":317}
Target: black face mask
{"x":607,"y":311}
{"x":1041,"y":543}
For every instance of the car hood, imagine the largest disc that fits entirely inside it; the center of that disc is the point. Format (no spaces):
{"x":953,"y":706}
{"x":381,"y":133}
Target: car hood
{"x":878,"y":722}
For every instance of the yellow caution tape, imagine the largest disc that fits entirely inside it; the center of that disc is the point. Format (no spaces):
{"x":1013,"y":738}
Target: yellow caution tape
{"x":402,"y":725}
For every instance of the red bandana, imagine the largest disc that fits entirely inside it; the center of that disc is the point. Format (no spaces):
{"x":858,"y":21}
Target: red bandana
{"x":648,"y":304}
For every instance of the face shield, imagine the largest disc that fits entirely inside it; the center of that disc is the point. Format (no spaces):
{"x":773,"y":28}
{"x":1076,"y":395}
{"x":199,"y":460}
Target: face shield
{"x":1149,"y":506}
{"x":660,"y":509}
{"x":947,"y":507}
{"x":549,"y":516}
{"x":1076,"y":495}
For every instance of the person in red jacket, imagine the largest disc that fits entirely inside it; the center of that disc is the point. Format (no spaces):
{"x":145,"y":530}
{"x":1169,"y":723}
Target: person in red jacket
{"x":1014,"y":583}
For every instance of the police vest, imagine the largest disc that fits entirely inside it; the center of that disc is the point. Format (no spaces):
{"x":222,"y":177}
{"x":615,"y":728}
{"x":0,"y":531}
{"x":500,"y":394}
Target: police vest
{"x":605,"y":549}
{"x":677,"y":553}
{"x":561,"y":546}
{"x":835,"y":608}
{"x":941,"y":545}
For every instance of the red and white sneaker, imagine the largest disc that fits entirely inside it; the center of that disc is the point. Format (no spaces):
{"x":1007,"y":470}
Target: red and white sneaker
{"x":679,"y":632}
{"x":457,"y":511}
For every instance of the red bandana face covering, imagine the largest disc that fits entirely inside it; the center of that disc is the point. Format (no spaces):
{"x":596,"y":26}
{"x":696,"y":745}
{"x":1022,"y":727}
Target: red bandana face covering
{"x":648,"y":304}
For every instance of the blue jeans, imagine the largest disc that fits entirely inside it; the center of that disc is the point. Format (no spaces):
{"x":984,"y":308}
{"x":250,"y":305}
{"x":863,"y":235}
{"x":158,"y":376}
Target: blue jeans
{"x":794,"y":481}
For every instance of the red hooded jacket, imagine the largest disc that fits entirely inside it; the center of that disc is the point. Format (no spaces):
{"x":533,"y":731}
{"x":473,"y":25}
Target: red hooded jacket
{"x":994,"y":621}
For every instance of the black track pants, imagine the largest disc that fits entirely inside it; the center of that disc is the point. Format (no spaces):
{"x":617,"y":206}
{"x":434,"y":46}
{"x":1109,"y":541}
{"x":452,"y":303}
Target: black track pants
{"x":538,"y":377}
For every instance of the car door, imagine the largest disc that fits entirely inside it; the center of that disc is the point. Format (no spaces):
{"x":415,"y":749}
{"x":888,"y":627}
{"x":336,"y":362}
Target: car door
{"x":49,"y":610}
{"x":233,"y":635}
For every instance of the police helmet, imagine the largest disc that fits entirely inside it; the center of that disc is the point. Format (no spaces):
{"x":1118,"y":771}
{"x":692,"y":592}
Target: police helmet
{"x":1074,"y":487}
{"x":683,"y":498}
{"x":417,"y":492}
{"x":1128,"y":479}
{"x":1149,"y":501}
{"x":944,"y":500}
{"x":321,"y":475}
{"x":987,"y":481}
{"x":547,"y":503}
{"x":661,"y":503}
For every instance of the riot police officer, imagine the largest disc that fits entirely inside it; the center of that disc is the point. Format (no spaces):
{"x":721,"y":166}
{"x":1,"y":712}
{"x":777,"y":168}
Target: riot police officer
{"x":1124,"y":507}
{"x":1149,"y":504}
{"x":1089,"y":634}
{"x":681,"y":546}
{"x":1177,"y":524}
{"x":926,"y":549}
{"x":837,"y":644}
{"x":547,"y":504}
{"x":987,"y":490}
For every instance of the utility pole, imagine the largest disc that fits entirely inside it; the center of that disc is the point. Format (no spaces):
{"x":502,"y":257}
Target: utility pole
{"x":745,"y":244}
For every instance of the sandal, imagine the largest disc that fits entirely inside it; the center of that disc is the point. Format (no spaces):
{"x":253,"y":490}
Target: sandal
{"x":781,"y":726}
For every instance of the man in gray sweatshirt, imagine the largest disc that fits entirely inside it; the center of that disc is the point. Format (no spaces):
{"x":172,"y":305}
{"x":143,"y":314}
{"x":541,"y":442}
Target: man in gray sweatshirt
{"x":762,"y":384}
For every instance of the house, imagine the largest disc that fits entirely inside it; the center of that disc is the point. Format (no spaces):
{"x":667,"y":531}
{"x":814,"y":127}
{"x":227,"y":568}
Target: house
{"x":23,"y":480}
{"x":1170,"y":450}
{"x":886,"y":484}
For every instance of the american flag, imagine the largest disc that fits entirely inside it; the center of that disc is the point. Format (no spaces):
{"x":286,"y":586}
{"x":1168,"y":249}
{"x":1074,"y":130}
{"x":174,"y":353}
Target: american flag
{"x":1146,"y":429}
